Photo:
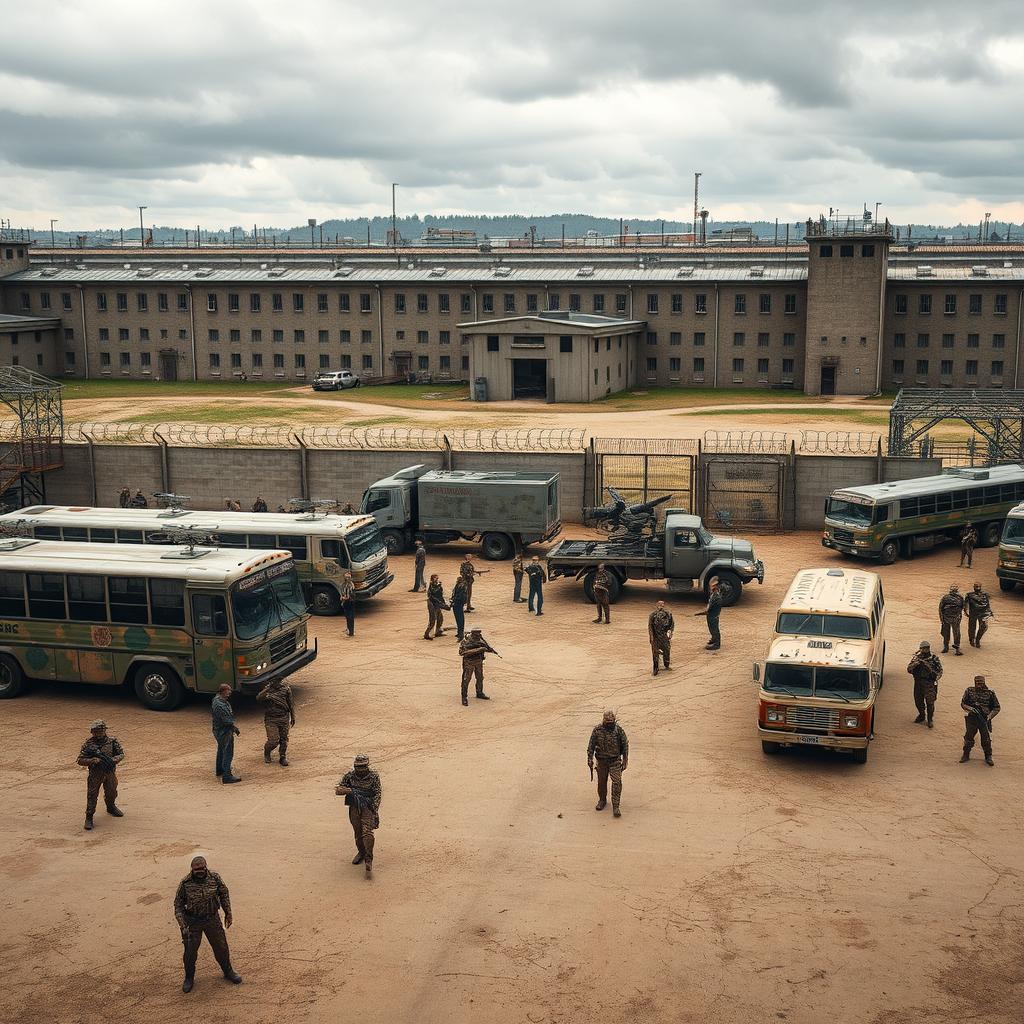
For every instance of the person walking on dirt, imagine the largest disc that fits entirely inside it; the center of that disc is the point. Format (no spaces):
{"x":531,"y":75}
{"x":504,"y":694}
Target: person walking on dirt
{"x":436,"y":608}
{"x":660,"y":626}
{"x":601,"y":586}
{"x":421,"y":565}
{"x":713,"y":611}
{"x":457,"y":601}
{"x":346,"y":597}
{"x":224,"y":731}
{"x":278,"y":718}
{"x":951,"y":611}
{"x":538,"y":577}
{"x":101,"y":754}
{"x":979,"y":611}
{"x":968,"y":542}
{"x":926,"y":669}
{"x":361,"y":790}
{"x":200,"y":898}
{"x":610,"y":747}
{"x":469,"y":572}
{"x":473,"y":650}
{"x":517,"y":578}
{"x":981,"y":705}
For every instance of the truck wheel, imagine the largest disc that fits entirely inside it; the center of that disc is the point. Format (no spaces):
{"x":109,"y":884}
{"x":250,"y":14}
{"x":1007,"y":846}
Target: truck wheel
{"x":394,"y":542}
{"x":989,"y":534}
{"x":770,"y":748}
{"x":614,"y":588}
{"x":890,"y":552}
{"x":496,"y":547}
{"x":325,"y":601}
{"x":158,"y":687}
{"x":729,"y":587}
{"x":860,"y":756}
{"x":12,"y":679}
{"x":1007,"y":585}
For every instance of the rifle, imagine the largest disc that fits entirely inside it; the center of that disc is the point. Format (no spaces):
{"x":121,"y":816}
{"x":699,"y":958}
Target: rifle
{"x":488,"y":647}
{"x":106,"y":762}
{"x":984,"y":724}
{"x":591,"y":767}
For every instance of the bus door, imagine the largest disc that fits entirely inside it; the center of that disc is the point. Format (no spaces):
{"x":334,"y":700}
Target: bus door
{"x":211,"y":641}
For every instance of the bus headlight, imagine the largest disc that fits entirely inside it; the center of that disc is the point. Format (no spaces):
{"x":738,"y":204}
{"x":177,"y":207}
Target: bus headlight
{"x":851,"y":721}
{"x":775,"y":715}
{"x":861,"y":543}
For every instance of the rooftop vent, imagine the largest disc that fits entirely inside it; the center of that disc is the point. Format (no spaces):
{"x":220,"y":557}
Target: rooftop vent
{"x":979,"y":270}
{"x":145,"y":272}
{"x":275,"y":272}
{"x":343,"y":272}
{"x":1008,"y":264}
{"x":127,"y":266}
{"x":79,"y":266}
{"x":502,"y":271}
{"x":204,"y":271}
{"x":184,"y":266}
{"x":48,"y":271}
{"x":757,"y":270}
{"x":684,"y":272}
{"x":264,"y":266}
{"x":585,"y":272}
{"x":438,"y":271}
{"x":924,"y":270}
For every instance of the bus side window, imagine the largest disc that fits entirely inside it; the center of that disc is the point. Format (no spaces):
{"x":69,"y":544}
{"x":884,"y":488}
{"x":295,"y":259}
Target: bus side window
{"x":46,"y":533}
{"x":231,"y":540}
{"x":46,"y":595}
{"x":128,"y":601}
{"x":881,"y":514}
{"x":209,"y":615}
{"x":101,"y":536}
{"x":12,"y":595}
{"x":960,"y":499}
{"x":334,"y":549}
{"x":167,"y":598}
{"x":265,"y":541}
{"x":87,"y":600}
{"x":76,"y":533}
{"x":295,"y":544}
{"x":129,"y":536}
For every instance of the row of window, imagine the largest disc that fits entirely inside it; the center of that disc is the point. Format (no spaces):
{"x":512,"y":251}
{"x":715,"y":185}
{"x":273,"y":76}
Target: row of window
{"x":845,"y":251}
{"x":763,"y":365}
{"x":946,"y":367}
{"x":901,"y":303}
{"x":976,"y":497}
{"x":9,"y":253}
{"x":899,"y":340}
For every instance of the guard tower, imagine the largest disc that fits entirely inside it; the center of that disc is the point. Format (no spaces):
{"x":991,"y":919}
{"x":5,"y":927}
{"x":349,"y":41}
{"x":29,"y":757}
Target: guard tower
{"x":32,"y":443}
{"x":847,"y":262}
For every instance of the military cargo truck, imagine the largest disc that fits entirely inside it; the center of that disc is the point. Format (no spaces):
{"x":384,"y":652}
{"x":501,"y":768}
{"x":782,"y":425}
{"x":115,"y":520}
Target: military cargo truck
{"x":501,"y":510}
{"x":683,"y":554}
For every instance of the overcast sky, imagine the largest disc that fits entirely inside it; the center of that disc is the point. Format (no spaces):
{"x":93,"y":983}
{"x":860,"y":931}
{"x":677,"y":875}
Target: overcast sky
{"x":226,"y":112}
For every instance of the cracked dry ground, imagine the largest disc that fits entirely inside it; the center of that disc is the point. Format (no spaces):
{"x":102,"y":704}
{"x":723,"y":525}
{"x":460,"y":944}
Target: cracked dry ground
{"x":735,"y":888}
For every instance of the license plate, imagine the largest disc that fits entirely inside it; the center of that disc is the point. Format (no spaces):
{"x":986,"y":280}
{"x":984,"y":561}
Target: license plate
{"x":808,"y":739}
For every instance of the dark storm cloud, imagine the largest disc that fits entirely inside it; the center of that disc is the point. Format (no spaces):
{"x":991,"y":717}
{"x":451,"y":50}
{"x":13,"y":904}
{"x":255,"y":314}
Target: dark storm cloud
{"x":257,"y":108}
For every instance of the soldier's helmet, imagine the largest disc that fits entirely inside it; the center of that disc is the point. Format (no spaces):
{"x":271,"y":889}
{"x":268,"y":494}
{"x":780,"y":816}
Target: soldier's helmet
{"x":924,"y":645}
{"x":954,"y":589}
{"x":361,"y":760}
{"x":97,"y":725}
{"x":475,"y":632}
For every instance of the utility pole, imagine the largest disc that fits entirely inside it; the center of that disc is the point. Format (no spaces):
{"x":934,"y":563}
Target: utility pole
{"x":394,"y":224}
{"x":696,"y":202}
{"x":53,"y":244}
{"x":142,"y":229}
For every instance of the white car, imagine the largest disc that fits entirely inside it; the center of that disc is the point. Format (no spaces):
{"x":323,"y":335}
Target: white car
{"x":335,"y":380}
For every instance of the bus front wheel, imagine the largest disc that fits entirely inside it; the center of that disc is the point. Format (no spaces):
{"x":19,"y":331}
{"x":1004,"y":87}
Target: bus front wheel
{"x":158,"y":687}
{"x":989,"y":534}
{"x":1007,"y":585}
{"x":770,"y":748}
{"x":860,"y":756}
{"x":325,"y":601}
{"x":890,"y":552}
{"x":394,"y":542}
{"x":12,"y":679}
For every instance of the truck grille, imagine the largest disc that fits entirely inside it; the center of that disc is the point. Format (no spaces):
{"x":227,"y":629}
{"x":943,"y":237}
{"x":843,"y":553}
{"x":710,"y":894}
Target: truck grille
{"x":817,"y":719}
{"x":283,"y":645}
{"x":843,"y":535}
{"x":375,"y":574}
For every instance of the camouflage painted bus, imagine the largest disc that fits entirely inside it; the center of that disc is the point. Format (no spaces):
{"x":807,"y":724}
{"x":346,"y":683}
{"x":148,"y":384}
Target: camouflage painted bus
{"x":884,"y":521}
{"x":1010,"y":569}
{"x":161,"y":621}
{"x":324,"y":547}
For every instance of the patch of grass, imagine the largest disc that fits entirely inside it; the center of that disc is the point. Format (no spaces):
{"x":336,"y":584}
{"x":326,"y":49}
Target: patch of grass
{"x":867,"y":419}
{"x":411,"y":396}
{"x":379,"y":421}
{"x":681,"y":398}
{"x":227,"y":413}
{"x":97,"y":389}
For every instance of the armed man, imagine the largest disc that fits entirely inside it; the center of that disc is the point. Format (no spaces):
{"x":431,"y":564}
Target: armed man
{"x":101,"y":754}
{"x":224,"y":731}
{"x":278,"y":718}
{"x":260,"y":504}
{"x":361,"y":790}
{"x":660,"y":626}
{"x":436,"y":608}
{"x":346,"y":597}
{"x":713,"y":611}
{"x":139,"y":501}
{"x":601,"y":586}
{"x":926,"y":669}
{"x":979,"y":611}
{"x":473,"y":650}
{"x":951,"y":611}
{"x":457,"y":600}
{"x":201,"y":896}
{"x":610,"y":746}
{"x":469,"y":572}
{"x":348,"y":509}
{"x":538,"y":577}
{"x":421,"y":565}
{"x":968,"y":542}
{"x":981,"y":705}
{"x":517,"y":578}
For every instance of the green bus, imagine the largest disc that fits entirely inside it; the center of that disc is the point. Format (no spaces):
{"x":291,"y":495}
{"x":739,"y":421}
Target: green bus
{"x":1010,"y":569}
{"x":158,"y":621}
{"x":884,"y":521}
{"x":324,"y":546}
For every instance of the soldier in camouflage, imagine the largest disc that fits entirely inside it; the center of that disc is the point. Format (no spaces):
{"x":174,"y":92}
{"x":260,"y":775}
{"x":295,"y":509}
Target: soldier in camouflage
{"x":968,"y":542}
{"x":346,"y":596}
{"x":361,"y":790}
{"x":610,"y":747}
{"x":473,"y":650}
{"x":979,"y":611}
{"x":601,"y":587}
{"x":660,"y":626}
{"x":421,"y":565}
{"x":469,"y":572}
{"x":278,"y":718}
{"x":980,"y":705}
{"x":457,"y":602}
{"x":517,"y":578}
{"x":926,"y":669}
{"x":101,"y":754}
{"x":951,"y":612}
{"x":436,"y":608}
{"x":201,"y":896}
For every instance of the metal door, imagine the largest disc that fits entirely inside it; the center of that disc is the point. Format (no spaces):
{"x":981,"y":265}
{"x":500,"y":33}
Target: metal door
{"x":742,"y":492}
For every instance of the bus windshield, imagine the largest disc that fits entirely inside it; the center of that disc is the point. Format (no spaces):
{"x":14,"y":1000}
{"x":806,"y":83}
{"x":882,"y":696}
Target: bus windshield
{"x":266,"y":599}
{"x":845,"y":627}
{"x":809,"y":681}
{"x":365,"y":542}
{"x":849,"y":511}
{"x":1013,"y":532}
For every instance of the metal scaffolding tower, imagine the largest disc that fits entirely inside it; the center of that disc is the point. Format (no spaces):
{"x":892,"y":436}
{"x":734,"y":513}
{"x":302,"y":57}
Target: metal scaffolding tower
{"x":36,"y":443}
{"x":995,"y":416}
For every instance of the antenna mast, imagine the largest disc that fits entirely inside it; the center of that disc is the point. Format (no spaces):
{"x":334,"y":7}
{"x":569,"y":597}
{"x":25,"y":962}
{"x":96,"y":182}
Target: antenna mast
{"x":696,"y":202}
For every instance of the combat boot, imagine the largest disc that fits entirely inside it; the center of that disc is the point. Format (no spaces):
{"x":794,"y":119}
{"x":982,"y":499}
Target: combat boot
{"x":931,"y":724}
{"x":88,"y":823}
{"x":284,"y":761}
{"x":601,"y":805}
{"x":358,"y":858}
{"x":615,"y":811}
{"x":482,"y":696}
{"x":266,"y":755}
{"x":989,"y":761}
{"x":465,"y":702}
{"x":229,"y":779}
{"x":232,"y":975}
{"x":654,"y":672}
{"x":114,"y":811}
{"x":369,"y":868}
{"x":966,"y":757}
{"x":186,"y":985}
{"x":919,"y":719}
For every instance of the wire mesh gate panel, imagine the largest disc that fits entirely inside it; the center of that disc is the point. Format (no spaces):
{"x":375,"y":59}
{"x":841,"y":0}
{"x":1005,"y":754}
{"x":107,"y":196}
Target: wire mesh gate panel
{"x":742,"y":493}
{"x":642,"y":469}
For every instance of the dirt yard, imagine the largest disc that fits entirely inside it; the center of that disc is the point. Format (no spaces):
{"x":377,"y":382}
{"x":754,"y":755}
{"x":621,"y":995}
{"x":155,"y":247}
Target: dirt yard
{"x":735,"y":887}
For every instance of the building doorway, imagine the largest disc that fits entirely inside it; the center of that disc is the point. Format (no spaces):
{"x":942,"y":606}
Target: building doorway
{"x":529,"y":378}
{"x":828,"y":380}
{"x":169,"y":364}
{"x":403,"y":364}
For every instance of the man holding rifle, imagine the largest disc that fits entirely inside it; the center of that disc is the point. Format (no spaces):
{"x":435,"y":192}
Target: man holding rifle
{"x":608,"y":743}
{"x":473,"y":650}
{"x":926,"y":668}
{"x":361,"y":790}
{"x":981,"y":705}
{"x":101,"y":754}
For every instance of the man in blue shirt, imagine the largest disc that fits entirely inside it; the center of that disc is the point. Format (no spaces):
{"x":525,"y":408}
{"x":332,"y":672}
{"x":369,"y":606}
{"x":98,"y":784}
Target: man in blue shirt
{"x":225,"y":731}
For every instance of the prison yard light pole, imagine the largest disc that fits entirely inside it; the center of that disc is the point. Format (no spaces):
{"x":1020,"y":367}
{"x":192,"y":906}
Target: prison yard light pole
{"x":142,"y":229}
{"x":53,"y":220}
{"x":394,"y":223}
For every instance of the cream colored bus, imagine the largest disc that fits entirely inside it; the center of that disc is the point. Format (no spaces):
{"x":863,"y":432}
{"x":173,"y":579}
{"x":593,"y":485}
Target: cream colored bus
{"x":823,"y":668}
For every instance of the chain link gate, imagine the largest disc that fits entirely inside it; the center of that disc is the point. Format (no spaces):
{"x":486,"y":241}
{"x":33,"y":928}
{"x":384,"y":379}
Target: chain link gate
{"x":743,"y":493}
{"x":642,"y":469}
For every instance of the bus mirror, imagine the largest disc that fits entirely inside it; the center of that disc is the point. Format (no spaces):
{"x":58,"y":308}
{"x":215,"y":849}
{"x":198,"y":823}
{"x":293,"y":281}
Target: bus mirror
{"x":757,"y":672}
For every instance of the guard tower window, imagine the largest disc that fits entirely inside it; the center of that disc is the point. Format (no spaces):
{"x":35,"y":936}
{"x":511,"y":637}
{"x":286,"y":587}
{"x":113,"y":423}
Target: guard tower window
{"x":492,"y":343}
{"x":825,"y":251}
{"x":846,"y":251}
{"x":867,"y":250}
{"x":565,"y":343}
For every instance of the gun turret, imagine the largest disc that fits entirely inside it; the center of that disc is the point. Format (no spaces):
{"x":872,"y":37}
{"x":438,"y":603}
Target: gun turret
{"x":619,"y":517}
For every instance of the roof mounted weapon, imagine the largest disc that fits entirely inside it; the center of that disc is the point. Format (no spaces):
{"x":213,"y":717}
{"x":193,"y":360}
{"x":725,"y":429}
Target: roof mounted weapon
{"x":308,"y":507}
{"x":173,"y":504}
{"x":188,"y":538}
{"x":15,"y":533}
{"x":624,"y":520}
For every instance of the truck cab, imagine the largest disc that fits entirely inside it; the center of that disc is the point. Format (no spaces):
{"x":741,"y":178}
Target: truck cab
{"x":693,"y":554}
{"x":392,"y":502}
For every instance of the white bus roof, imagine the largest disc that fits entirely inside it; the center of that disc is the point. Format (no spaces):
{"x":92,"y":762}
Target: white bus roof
{"x":831,"y":590}
{"x":204,"y":565}
{"x":951,"y":480}
{"x":829,"y":651}
{"x":1018,"y":512}
{"x":295,"y":524}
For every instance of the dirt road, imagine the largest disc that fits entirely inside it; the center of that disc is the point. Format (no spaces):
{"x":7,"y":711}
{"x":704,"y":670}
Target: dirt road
{"x":735,"y":888}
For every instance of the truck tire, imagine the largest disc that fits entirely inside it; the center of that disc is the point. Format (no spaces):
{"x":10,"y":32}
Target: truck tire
{"x":614,"y":587}
{"x":325,"y":601}
{"x":729,"y":586}
{"x":768,"y":747}
{"x":860,"y":756}
{"x":890,"y":552}
{"x":497,"y":547}
{"x":394,"y":542}
{"x":989,"y":534}
{"x":1007,"y":585}
{"x":12,"y":679}
{"x":158,"y":687}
